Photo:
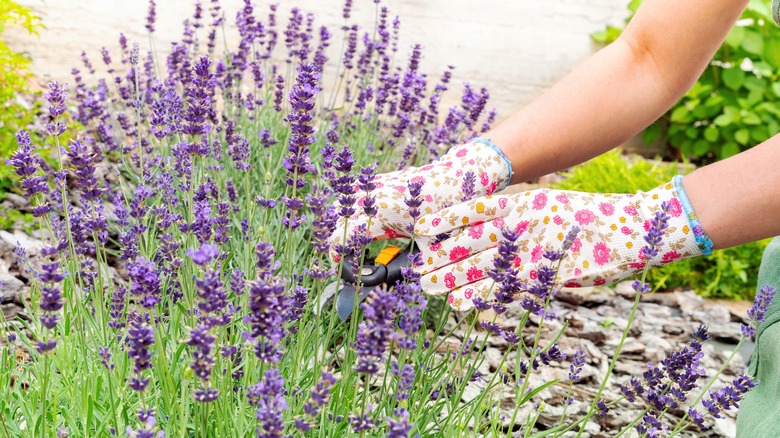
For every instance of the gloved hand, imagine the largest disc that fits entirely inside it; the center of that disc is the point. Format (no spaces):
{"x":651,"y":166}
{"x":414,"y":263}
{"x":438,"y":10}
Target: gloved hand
{"x":608,"y":247}
{"x":443,"y":185}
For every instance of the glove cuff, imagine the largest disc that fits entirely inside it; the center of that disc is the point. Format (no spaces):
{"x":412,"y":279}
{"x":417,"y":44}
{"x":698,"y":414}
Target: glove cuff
{"x":702,"y":240}
{"x":489,"y":143}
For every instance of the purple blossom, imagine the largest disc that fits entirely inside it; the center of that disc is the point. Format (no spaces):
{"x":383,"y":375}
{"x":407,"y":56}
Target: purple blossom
{"x":399,"y":426}
{"x":202,"y":344}
{"x":199,"y":99}
{"x":320,"y":395}
{"x":405,"y":376}
{"x":469,"y":178}
{"x":756,"y":313}
{"x":577,"y":362}
{"x":268,"y":397}
{"x":375,"y":330}
{"x":151,"y":17}
{"x":140,"y":337}
{"x":655,"y":233}
{"x":204,"y":254}
{"x":145,"y":281}
{"x":414,"y":201}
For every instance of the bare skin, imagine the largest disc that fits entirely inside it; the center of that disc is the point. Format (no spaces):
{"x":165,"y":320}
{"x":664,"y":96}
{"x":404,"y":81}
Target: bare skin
{"x":623,"y":88}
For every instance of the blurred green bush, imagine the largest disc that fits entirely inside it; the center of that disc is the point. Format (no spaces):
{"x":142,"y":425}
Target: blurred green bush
{"x":734,"y":104}
{"x":727,"y":273}
{"x":17,"y":108}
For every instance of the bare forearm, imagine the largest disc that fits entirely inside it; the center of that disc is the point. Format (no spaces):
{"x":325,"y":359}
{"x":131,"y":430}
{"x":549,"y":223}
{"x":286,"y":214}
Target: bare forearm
{"x":596,"y":107}
{"x":737,"y":200}
{"x":620,"y":90}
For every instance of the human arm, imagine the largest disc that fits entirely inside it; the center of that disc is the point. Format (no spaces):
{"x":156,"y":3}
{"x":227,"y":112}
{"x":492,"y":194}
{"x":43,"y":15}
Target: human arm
{"x":620,"y":90}
{"x":737,"y":200}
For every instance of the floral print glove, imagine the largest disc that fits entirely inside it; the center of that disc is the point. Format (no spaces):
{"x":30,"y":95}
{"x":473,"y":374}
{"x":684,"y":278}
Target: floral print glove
{"x":468,"y":171}
{"x":608,"y":247}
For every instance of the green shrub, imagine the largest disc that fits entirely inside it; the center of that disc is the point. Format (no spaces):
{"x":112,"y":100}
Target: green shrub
{"x":727,"y":273}
{"x":733,"y":105}
{"x":16,"y":110}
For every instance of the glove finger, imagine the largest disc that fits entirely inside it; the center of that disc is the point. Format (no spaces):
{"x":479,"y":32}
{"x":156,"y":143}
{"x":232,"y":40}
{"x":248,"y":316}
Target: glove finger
{"x":470,"y":212}
{"x":462,"y":244}
{"x":461,"y":299}
{"x":458,"y":274}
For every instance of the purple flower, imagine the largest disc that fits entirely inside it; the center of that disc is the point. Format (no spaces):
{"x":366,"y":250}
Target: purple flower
{"x":729,"y":396}
{"x":204,"y":254}
{"x":347,"y":10}
{"x":302,"y":96}
{"x":56,"y":96}
{"x":202,"y":356}
{"x":213,"y":300}
{"x":602,"y":407}
{"x":756,"y":313}
{"x":375,"y":330}
{"x":151,"y":17}
{"x":399,"y":426}
{"x":405,"y":376}
{"x":24,"y":161}
{"x":268,"y":397}
{"x":640,"y":287}
{"x":469,"y":179}
{"x":410,"y":309}
{"x":414,"y":201}
{"x":577,"y":362}
{"x":199,"y":99}
{"x":362,"y":422}
{"x":267,"y":307}
{"x":145,"y":281}
{"x":320,"y":395}
{"x":655,"y":233}
{"x":140,"y":337}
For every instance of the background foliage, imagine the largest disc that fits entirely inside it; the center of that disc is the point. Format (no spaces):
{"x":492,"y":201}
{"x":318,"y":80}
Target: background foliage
{"x":733,"y":105}
{"x":15,"y":111}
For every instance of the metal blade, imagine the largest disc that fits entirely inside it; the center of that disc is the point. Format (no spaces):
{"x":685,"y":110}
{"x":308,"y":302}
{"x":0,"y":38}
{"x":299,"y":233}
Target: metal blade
{"x":345,"y":301}
{"x":327,"y":293}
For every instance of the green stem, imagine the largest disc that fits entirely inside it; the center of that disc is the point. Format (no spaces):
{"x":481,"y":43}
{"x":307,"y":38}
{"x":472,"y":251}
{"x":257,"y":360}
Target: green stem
{"x":613,"y":362}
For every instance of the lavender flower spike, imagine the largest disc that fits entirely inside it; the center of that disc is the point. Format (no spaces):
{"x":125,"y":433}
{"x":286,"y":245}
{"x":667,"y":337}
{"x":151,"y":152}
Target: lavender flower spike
{"x":757,"y":312}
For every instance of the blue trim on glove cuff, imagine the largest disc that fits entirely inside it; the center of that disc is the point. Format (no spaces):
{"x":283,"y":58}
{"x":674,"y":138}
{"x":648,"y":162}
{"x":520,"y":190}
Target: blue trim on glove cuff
{"x":487,"y":142}
{"x":704,"y":242}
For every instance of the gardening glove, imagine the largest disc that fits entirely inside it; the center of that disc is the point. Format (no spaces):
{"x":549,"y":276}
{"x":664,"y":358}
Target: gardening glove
{"x":608,"y":247}
{"x":468,"y":171}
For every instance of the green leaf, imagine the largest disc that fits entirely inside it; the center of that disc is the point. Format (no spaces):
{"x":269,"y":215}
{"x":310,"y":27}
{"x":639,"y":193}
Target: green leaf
{"x":681,"y":115}
{"x":701,"y":147}
{"x":691,"y":132}
{"x":772,"y":51}
{"x":772,"y":127}
{"x":751,"y":118}
{"x":711,"y":134}
{"x":728,"y":149}
{"x":723,"y":120}
{"x":742,"y":136}
{"x":734,"y":78}
{"x":753,"y":42}
{"x":734,"y":38}
{"x":759,"y":134}
{"x":651,"y":134}
{"x":763,"y":68}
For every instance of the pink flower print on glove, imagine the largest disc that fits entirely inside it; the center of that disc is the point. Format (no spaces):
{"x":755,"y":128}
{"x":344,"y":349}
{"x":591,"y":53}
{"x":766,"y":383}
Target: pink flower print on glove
{"x":608,"y":247}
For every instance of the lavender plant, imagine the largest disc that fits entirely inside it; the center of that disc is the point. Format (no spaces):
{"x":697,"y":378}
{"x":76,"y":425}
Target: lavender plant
{"x":179,"y":289}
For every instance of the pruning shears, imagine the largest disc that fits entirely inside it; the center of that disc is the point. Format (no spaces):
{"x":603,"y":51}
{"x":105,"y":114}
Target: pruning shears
{"x":382,"y":270}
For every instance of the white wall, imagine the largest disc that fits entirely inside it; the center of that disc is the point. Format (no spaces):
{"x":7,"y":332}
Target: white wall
{"x":515,"y":48}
